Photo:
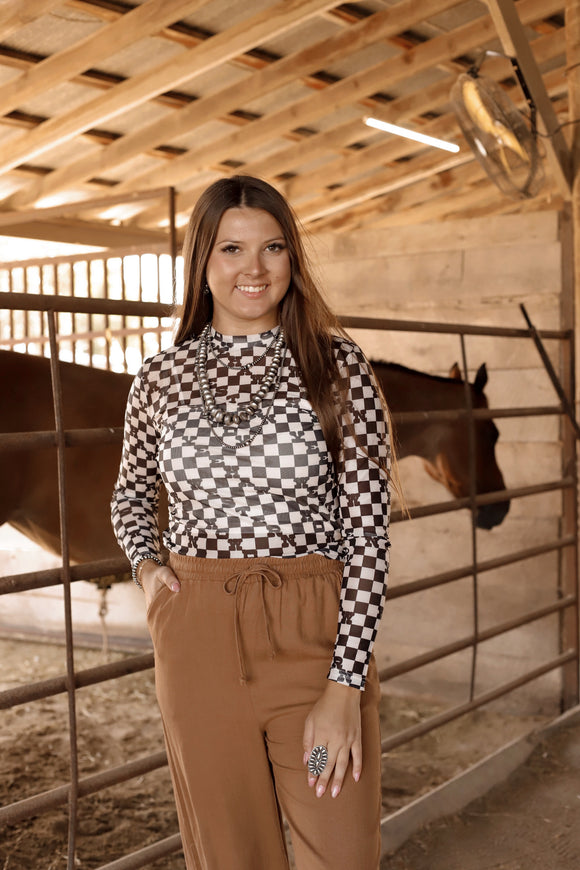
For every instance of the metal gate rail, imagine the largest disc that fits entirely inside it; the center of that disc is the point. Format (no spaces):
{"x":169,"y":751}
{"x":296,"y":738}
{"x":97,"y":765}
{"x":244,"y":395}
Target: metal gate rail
{"x":73,"y":680}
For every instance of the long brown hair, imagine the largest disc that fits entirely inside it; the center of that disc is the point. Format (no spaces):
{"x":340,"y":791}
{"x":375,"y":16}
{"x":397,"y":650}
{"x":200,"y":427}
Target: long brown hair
{"x":308,"y":322}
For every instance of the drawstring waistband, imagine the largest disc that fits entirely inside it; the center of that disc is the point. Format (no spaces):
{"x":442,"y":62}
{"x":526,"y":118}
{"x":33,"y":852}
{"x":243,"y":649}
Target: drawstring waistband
{"x":265,"y":574}
{"x":233,"y":573}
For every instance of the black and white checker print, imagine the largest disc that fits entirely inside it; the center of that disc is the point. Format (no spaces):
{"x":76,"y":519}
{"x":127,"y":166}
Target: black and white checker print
{"x":277,"y":496}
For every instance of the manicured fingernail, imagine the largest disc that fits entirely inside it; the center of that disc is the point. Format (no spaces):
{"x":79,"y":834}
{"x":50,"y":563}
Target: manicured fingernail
{"x":311,"y":781}
{"x":320,"y":791}
{"x":175,"y":587}
{"x":335,"y":790}
{"x":356,"y":776}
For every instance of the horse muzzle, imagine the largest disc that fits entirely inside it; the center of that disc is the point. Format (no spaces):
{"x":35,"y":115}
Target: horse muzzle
{"x":490,"y":515}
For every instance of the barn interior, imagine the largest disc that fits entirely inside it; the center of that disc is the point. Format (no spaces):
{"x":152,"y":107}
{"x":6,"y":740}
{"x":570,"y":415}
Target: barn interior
{"x":115,"y":116}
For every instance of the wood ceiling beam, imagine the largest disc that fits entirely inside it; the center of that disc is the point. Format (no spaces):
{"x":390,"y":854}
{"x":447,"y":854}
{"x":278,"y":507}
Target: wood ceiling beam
{"x":181,"y":33}
{"x":478,"y":200}
{"x":458,"y":42}
{"x":69,"y":209}
{"x":482,"y":196}
{"x":337,"y":139}
{"x":184,"y":67}
{"x":409,"y":107}
{"x":443,"y":198}
{"x":382,"y":183}
{"x":393,"y":148}
{"x":400,"y":203}
{"x":309,"y":148}
{"x":78,"y":232}
{"x":188,"y":36}
{"x":515,"y":43}
{"x":431,"y":197}
{"x":386,"y":150}
{"x":15,"y":14}
{"x":288,"y":69}
{"x":141,"y":22}
{"x":27,"y":121}
{"x":92,"y":78}
{"x":412,"y":106}
{"x":409,"y":39}
{"x":550,"y":201}
{"x":459,"y":197}
{"x":26,"y":171}
{"x":345,"y":92}
{"x":403,"y":175}
{"x":105,"y":81}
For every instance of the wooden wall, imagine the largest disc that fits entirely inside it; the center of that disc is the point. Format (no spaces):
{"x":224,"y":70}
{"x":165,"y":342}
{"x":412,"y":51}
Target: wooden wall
{"x":478,"y":272}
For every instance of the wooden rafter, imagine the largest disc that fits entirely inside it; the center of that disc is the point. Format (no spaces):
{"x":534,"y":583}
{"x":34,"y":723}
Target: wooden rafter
{"x":138,"y":89}
{"x":285,"y":70}
{"x":344,"y":198}
{"x":61,"y":67}
{"x":15,"y":14}
{"x":342,"y":93}
{"x":398,"y":63}
{"x":391,"y":150}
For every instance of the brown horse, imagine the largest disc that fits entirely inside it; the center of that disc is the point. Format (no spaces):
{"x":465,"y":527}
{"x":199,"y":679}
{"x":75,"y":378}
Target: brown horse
{"x":96,"y":398}
{"x":29,"y":491}
{"x":444,"y":446}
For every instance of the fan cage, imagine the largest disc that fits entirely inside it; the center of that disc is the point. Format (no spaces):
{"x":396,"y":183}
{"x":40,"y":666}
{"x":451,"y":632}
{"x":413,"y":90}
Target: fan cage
{"x":498,"y":135}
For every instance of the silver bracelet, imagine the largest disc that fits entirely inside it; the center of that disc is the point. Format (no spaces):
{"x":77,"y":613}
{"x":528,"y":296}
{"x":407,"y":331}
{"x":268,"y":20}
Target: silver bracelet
{"x":137,"y":562}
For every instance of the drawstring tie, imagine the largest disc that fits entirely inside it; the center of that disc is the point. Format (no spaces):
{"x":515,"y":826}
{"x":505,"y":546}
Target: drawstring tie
{"x":232,"y":586}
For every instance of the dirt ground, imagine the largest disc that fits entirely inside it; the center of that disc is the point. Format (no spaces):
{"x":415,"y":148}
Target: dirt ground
{"x":119,"y":722}
{"x":530,"y":822}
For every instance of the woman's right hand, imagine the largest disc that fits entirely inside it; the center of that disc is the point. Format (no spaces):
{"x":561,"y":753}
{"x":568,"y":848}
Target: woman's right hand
{"x":152,"y":576}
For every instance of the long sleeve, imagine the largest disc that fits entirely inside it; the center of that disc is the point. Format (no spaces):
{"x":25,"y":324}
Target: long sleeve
{"x":136,"y":493}
{"x":364,"y":507}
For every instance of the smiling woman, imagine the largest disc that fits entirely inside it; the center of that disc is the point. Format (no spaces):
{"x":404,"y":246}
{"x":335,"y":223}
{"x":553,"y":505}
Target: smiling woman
{"x":248,"y":271}
{"x":265,"y":424}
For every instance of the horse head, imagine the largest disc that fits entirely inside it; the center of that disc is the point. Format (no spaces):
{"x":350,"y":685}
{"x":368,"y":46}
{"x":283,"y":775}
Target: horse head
{"x":450,"y":462}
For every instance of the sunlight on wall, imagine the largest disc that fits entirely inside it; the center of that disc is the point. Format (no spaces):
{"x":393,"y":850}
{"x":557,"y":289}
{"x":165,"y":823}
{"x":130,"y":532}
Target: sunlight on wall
{"x":115,"y":341}
{"x":28,"y":249}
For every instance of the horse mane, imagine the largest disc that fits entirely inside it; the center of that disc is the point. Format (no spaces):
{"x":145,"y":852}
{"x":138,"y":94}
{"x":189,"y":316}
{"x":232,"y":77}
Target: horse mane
{"x":406,"y":370}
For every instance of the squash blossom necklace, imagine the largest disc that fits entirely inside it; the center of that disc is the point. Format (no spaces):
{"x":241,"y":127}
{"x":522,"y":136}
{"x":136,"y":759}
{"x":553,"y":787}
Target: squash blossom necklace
{"x":217,"y":416}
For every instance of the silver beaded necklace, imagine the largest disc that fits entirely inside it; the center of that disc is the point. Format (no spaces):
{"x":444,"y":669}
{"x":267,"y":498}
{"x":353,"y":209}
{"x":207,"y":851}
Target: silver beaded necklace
{"x":215,"y":415}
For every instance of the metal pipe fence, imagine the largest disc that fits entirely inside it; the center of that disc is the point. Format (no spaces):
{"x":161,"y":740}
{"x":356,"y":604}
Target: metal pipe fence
{"x":567,"y":661}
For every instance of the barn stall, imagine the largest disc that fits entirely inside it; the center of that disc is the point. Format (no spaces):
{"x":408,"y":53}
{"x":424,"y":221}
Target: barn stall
{"x":513,"y":645}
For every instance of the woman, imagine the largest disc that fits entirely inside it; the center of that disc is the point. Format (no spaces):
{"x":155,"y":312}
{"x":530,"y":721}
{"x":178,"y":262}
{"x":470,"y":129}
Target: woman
{"x":266,"y":428}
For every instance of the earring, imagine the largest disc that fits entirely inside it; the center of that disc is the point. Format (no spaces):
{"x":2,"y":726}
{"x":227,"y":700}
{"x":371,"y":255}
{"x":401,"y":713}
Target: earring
{"x":206,"y":289}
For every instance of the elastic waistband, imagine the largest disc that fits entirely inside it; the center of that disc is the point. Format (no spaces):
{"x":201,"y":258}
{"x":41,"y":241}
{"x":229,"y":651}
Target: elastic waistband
{"x":195,"y":568}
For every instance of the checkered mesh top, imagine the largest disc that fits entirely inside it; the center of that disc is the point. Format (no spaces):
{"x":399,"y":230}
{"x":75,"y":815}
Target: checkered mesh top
{"x":277,"y":496}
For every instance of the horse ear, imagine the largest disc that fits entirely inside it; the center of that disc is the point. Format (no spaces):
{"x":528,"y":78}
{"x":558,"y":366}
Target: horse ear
{"x":480,"y":378}
{"x":455,"y":372}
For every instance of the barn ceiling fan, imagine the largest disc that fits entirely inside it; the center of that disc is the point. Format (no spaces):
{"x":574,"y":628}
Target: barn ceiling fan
{"x":497,"y":132}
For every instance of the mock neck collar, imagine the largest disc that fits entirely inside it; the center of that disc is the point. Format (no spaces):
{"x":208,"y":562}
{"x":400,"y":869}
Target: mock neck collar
{"x":244,"y":341}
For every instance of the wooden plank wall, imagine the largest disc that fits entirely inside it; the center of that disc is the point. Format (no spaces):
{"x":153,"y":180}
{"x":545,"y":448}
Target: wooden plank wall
{"x":475,"y":271}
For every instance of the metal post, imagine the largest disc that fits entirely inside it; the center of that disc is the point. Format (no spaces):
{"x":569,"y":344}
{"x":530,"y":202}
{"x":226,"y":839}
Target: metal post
{"x":26,"y":313}
{"x":172,"y":239}
{"x":473,"y":506}
{"x":90,"y":323}
{"x":66,"y":582}
{"x":568,"y":558}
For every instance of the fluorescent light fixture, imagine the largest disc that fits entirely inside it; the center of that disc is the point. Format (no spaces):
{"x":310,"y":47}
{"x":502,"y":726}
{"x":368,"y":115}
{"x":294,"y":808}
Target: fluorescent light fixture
{"x":411,"y":134}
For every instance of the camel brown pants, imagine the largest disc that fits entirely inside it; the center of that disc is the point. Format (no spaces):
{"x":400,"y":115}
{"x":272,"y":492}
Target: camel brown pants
{"x":241,"y":657}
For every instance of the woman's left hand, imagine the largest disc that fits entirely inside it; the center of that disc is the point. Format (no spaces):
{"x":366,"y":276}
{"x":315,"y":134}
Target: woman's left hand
{"x":334,"y":722}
